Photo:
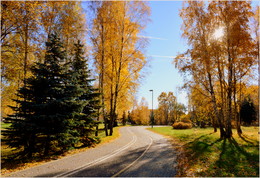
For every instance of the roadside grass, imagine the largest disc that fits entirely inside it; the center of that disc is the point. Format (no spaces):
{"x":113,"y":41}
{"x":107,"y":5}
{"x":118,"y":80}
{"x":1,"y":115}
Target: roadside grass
{"x":106,"y":139}
{"x":203,"y":153}
{"x":10,"y":164}
{"x":4,"y":125}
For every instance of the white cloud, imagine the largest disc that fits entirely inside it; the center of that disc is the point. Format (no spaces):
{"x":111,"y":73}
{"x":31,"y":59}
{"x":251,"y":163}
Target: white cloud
{"x":151,"y":37}
{"x":158,"y":56}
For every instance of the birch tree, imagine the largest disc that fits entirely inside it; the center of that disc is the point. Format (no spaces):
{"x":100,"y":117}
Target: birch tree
{"x":118,"y":52}
{"x":221,"y":54}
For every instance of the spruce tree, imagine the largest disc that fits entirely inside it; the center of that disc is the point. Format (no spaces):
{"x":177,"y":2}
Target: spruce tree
{"x":57,"y":104}
{"x":248,"y":111}
{"x":44,"y":116}
{"x":81,"y":77}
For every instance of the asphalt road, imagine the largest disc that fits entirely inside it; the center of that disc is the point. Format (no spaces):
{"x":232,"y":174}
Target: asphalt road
{"x":136,"y":153}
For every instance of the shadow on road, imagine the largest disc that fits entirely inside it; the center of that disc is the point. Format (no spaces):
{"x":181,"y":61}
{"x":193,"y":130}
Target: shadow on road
{"x":157,"y":162}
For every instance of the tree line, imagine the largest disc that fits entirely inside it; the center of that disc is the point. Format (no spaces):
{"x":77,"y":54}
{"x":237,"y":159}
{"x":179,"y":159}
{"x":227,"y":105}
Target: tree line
{"x":221,"y":60}
{"x":168,"y":112}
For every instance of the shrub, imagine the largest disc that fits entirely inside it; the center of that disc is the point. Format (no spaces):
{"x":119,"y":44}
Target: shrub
{"x":182,"y":125}
{"x":185,"y":118}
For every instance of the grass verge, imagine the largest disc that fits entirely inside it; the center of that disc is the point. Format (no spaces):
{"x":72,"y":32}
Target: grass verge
{"x":107,"y":139}
{"x":9,"y":165}
{"x":203,"y":153}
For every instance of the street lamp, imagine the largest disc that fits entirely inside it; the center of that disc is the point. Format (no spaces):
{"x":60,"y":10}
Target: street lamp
{"x":152,"y":119}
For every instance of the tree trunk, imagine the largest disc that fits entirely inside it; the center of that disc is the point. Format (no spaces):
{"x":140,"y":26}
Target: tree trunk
{"x":96,"y":132}
{"x":111,"y":115}
{"x":29,"y":147}
{"x":229,"y":101}
{"x":25,"y":54}
{"x":214,"y":124}
{"x":106,"y":125}
{"x":213,"y":99}
{"x":229,"y":87}
{"x":102,"y":80}
{"x":47,"y":146}
{"x":239,"y":130}
{"x":221,"y":113}
{"x":238,"y":127}
{"x":110,"y":128}
{"x":221,"y":125}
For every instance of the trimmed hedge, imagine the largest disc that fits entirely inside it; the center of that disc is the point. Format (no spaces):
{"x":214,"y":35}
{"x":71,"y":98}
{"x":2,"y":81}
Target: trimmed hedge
{"x":181,"y":125}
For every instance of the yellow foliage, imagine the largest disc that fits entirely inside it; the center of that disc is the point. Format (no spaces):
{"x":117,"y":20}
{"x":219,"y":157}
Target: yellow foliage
{"x":141,"y":114}
{"x":117,"y":50}
{"x":25,"y":26}
{"x":182,"y":125}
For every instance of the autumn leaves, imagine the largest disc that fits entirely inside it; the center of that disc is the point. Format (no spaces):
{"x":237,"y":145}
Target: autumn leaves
{"x":221,"y":59}
{"x":222,"y":56}
{"x":25,"y":26}
{"x":112,"y":31}
{"x":118,"y":53}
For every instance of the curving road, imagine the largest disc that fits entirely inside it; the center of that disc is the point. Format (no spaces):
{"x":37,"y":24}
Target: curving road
{"x":136,"y":153}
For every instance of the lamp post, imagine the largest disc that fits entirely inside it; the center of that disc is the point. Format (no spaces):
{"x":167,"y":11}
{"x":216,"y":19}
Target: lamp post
{"x":152,"y":119}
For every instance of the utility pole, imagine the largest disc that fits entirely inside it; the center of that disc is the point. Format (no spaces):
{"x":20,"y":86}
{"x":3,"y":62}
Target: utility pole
{"x":176,"y":104}
{"x":152,"y":118}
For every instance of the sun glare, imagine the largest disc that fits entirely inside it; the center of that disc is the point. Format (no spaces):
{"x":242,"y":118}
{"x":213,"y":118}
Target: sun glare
{"x":219,"y":33}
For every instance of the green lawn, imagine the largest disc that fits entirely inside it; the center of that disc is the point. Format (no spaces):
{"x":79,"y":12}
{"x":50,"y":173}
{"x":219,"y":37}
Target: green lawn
{"x":204,"y":154}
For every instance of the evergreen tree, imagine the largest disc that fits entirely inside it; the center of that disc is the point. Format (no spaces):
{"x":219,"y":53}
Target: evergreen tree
{"x":89,"y":98}
{"x":44,"y":116}
{"x":57,"y":104}
{"x":248,"y":111}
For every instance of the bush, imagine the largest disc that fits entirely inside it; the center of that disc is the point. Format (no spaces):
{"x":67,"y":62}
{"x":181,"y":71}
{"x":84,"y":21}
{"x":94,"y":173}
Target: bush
{"x":182,"y":125}
{"x":185,"y":118}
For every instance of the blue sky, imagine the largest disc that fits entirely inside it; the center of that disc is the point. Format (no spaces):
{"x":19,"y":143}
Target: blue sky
{"x":165,"y":43}
{"x":162,"y":75}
